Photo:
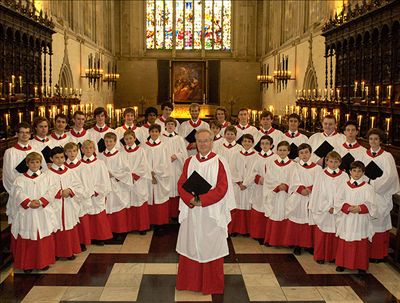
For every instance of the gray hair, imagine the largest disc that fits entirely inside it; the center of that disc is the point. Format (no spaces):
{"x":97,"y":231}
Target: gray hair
{"x":204,"y":131}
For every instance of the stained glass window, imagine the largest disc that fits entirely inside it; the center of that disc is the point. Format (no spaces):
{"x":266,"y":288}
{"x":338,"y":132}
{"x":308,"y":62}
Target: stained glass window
{"x":188,"y":24}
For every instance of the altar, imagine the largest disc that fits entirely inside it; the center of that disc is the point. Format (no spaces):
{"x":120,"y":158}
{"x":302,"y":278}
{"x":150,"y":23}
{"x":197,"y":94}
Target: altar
{"x":181,"y":111}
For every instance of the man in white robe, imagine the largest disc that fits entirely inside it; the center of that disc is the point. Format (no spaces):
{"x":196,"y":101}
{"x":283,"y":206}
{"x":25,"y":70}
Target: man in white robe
{"x":202,"y":236}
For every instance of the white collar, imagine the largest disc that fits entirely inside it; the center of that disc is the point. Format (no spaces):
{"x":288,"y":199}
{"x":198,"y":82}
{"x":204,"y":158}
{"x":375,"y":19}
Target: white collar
{"x":285,"y":160}
{"x":268,"y":153}
{"x":24,"y":146}
{"x":308,"y":162}
{"x":91,"y":158}
{"x":250,"y":150}
{"x":375,"y":151}
{"x":206,"y":156}
{"x":133,"y":146}
{"x":113,"y":150}
{"x":347,"y":143}
{"x":98,"y":126}
{"x":72,"y":161}
{"x":295,"y":132}
{"x":154,"y":141}
{"x":233,"y":143}
{"x":241,"y":125}
{"x":359,"y":181}
{"x":131,"y":126}
{"x":30,"y":173}
{"x":331,"y":170}
{"x":56,"y":167}
{"x":78,"y":130}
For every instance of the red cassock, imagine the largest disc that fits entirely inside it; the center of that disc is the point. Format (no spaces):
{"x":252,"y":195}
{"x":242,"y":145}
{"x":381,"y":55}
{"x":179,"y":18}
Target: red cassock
{"x":354,"y":230}
{"x":202,"y":238}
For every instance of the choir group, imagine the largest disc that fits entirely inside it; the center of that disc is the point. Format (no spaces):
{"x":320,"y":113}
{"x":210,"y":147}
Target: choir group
{"x":326,"y":193}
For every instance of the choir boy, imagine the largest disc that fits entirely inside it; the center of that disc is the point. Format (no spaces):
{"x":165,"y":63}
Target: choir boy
{"x":258,"y":220}
{"x":298,"y":229}
{"x":96,"y":183}
{"x":177,"y":153}
{"x":150,"y":116}
{"x":166,"y":108}
{"x":129,"y":124}
{"x":327,"y":140}
{"x":77,"y":133}
{"x":97,"y":132}
{"x":40,"y":140}
{"x":34,"y":223}
{"x":266,"y":128}
{"x":350,"y":150}
{"x":293,"y":136}
{"x":117,"y":200}
{"x":135,"y":158}
{"x":215,"y":128}
{"x":242,"y":163}
{"x":280,"y":181}
{"x":243,"y":127}
{"x":14,"y":162}
{"x":382,"y":174}
{"x":355,"y":206}
{"x":68,"y":191}
{"x":72,"y":152}
{"x":322,"y":208}
{"x":189,"y":128}
{"x":221,"y":115}
{"x":159,"y":187}
{"x":229,"y":147}
{"x":59,"y":137}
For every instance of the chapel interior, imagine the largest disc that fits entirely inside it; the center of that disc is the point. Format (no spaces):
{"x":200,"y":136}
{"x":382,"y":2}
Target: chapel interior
{"x":313,"y":58}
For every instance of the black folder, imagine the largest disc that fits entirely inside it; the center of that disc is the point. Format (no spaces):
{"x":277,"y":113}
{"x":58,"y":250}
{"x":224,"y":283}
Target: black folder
{"x":294,"y":151}
{"x":239,"y":141}
{"x":373,"y":171}
{"x":257,"y":147}
{"x":191,"y":137}
{"x":196,"y":184}
{"x":101,"y":146}
{"x":46,"y":152}
{"x":346,"y":161}
{"x":323,"y":149}
{"x":22,"y":167}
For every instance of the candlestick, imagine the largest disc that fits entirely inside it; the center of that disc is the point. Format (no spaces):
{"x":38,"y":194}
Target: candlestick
{"x":7,"y":116}
{"x":19,"y":117}
{"x":388,"y":120}
{"x":372,"y":122}
{"x":347,"y":117}
{"x":359,"y":118}
{"x":31,"y":113}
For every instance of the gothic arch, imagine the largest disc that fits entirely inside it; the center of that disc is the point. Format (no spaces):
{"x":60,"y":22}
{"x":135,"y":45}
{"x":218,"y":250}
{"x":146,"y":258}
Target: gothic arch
{"x":65,"y":78}
{"x":310,"y":76}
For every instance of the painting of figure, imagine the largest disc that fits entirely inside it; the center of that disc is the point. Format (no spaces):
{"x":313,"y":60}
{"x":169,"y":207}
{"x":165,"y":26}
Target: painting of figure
{"x":188,"y":81}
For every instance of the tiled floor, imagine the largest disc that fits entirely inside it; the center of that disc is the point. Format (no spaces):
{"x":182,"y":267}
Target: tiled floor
{"x":143,"y":269}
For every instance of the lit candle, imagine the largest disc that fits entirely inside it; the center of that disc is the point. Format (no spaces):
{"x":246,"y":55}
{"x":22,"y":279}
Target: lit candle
{"x":19,"y":117}
{"x":359,"y":118}
{"x":377,"y":92}
{"x":362,"y":86}
{"x":388,"y":124}
{"x":325,"y":93}
{"x":73,"y":108}
{"x":118,"y":113}
{"x":298,"y":110}
{"x":280,"y":119}
{"x":314,"y":92}
{"x":7,"y":116}
{"x":31,"y":113}
{"x":287,"y":107}
{"x":80,"y":92}
{"x":292,"y":109}
{"x":10,"y":89}
{"x":66,"y":90}
{"x":20,"y":83}
{"x":389,"y":95}
{"x":42,"y":89}
{"x":309,"y":93}
{"x":304,"y":92}
{"x":314,"y":113}
{"x":355,"y":86}
{"x":372,"y":122}
{"x":13,"y":80}
{"x":319,"y":93}
{"x":71,"y":90}
{"x":91,"y":107}
{"x":338,"y":93}
{"x":65,"y":109}
{"x":347,"y":117}
{"x":366,"y":91}
{"x":35,"y":89}
{"x":135,"y":109}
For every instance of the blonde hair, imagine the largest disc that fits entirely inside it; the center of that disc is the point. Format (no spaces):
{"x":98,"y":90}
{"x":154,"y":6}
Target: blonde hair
{"x":194,"y":105}
{"x":33,"y":156}
{"x":110,"y":135}
{"x":87,"y":143}
{"x":70,"y":145}
{"x":333,"y":155}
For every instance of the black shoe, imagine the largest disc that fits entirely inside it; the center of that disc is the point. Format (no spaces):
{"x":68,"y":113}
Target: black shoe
{"x":57,"y":258}
{"x":320,"y":261}
{"x":45,"y":268}
{"x":362,"y":271}
{"x":297,"y":251}
{"x":376,"y":260}
{"x":27,"y":271}
{"x":340,"y":269}
{"x":71,"y":258}
{"x":98,"y":242}
{"x":233,"y":235}
{"x":310,"y":250}
{"x":142,"y":232}
{"x":83,"y":247}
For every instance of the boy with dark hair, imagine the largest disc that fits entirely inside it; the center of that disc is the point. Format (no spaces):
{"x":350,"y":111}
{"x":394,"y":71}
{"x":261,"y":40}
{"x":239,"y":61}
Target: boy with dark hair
{"x":59,"y":137}
{"x":293,"y":136}
{"x":266,"y":128}
{"x":167,"y":108}
{"x":129,"y":124}
{"x":98,"y":131}
{"x":40,"y":140}
{"x":78,"y":134}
